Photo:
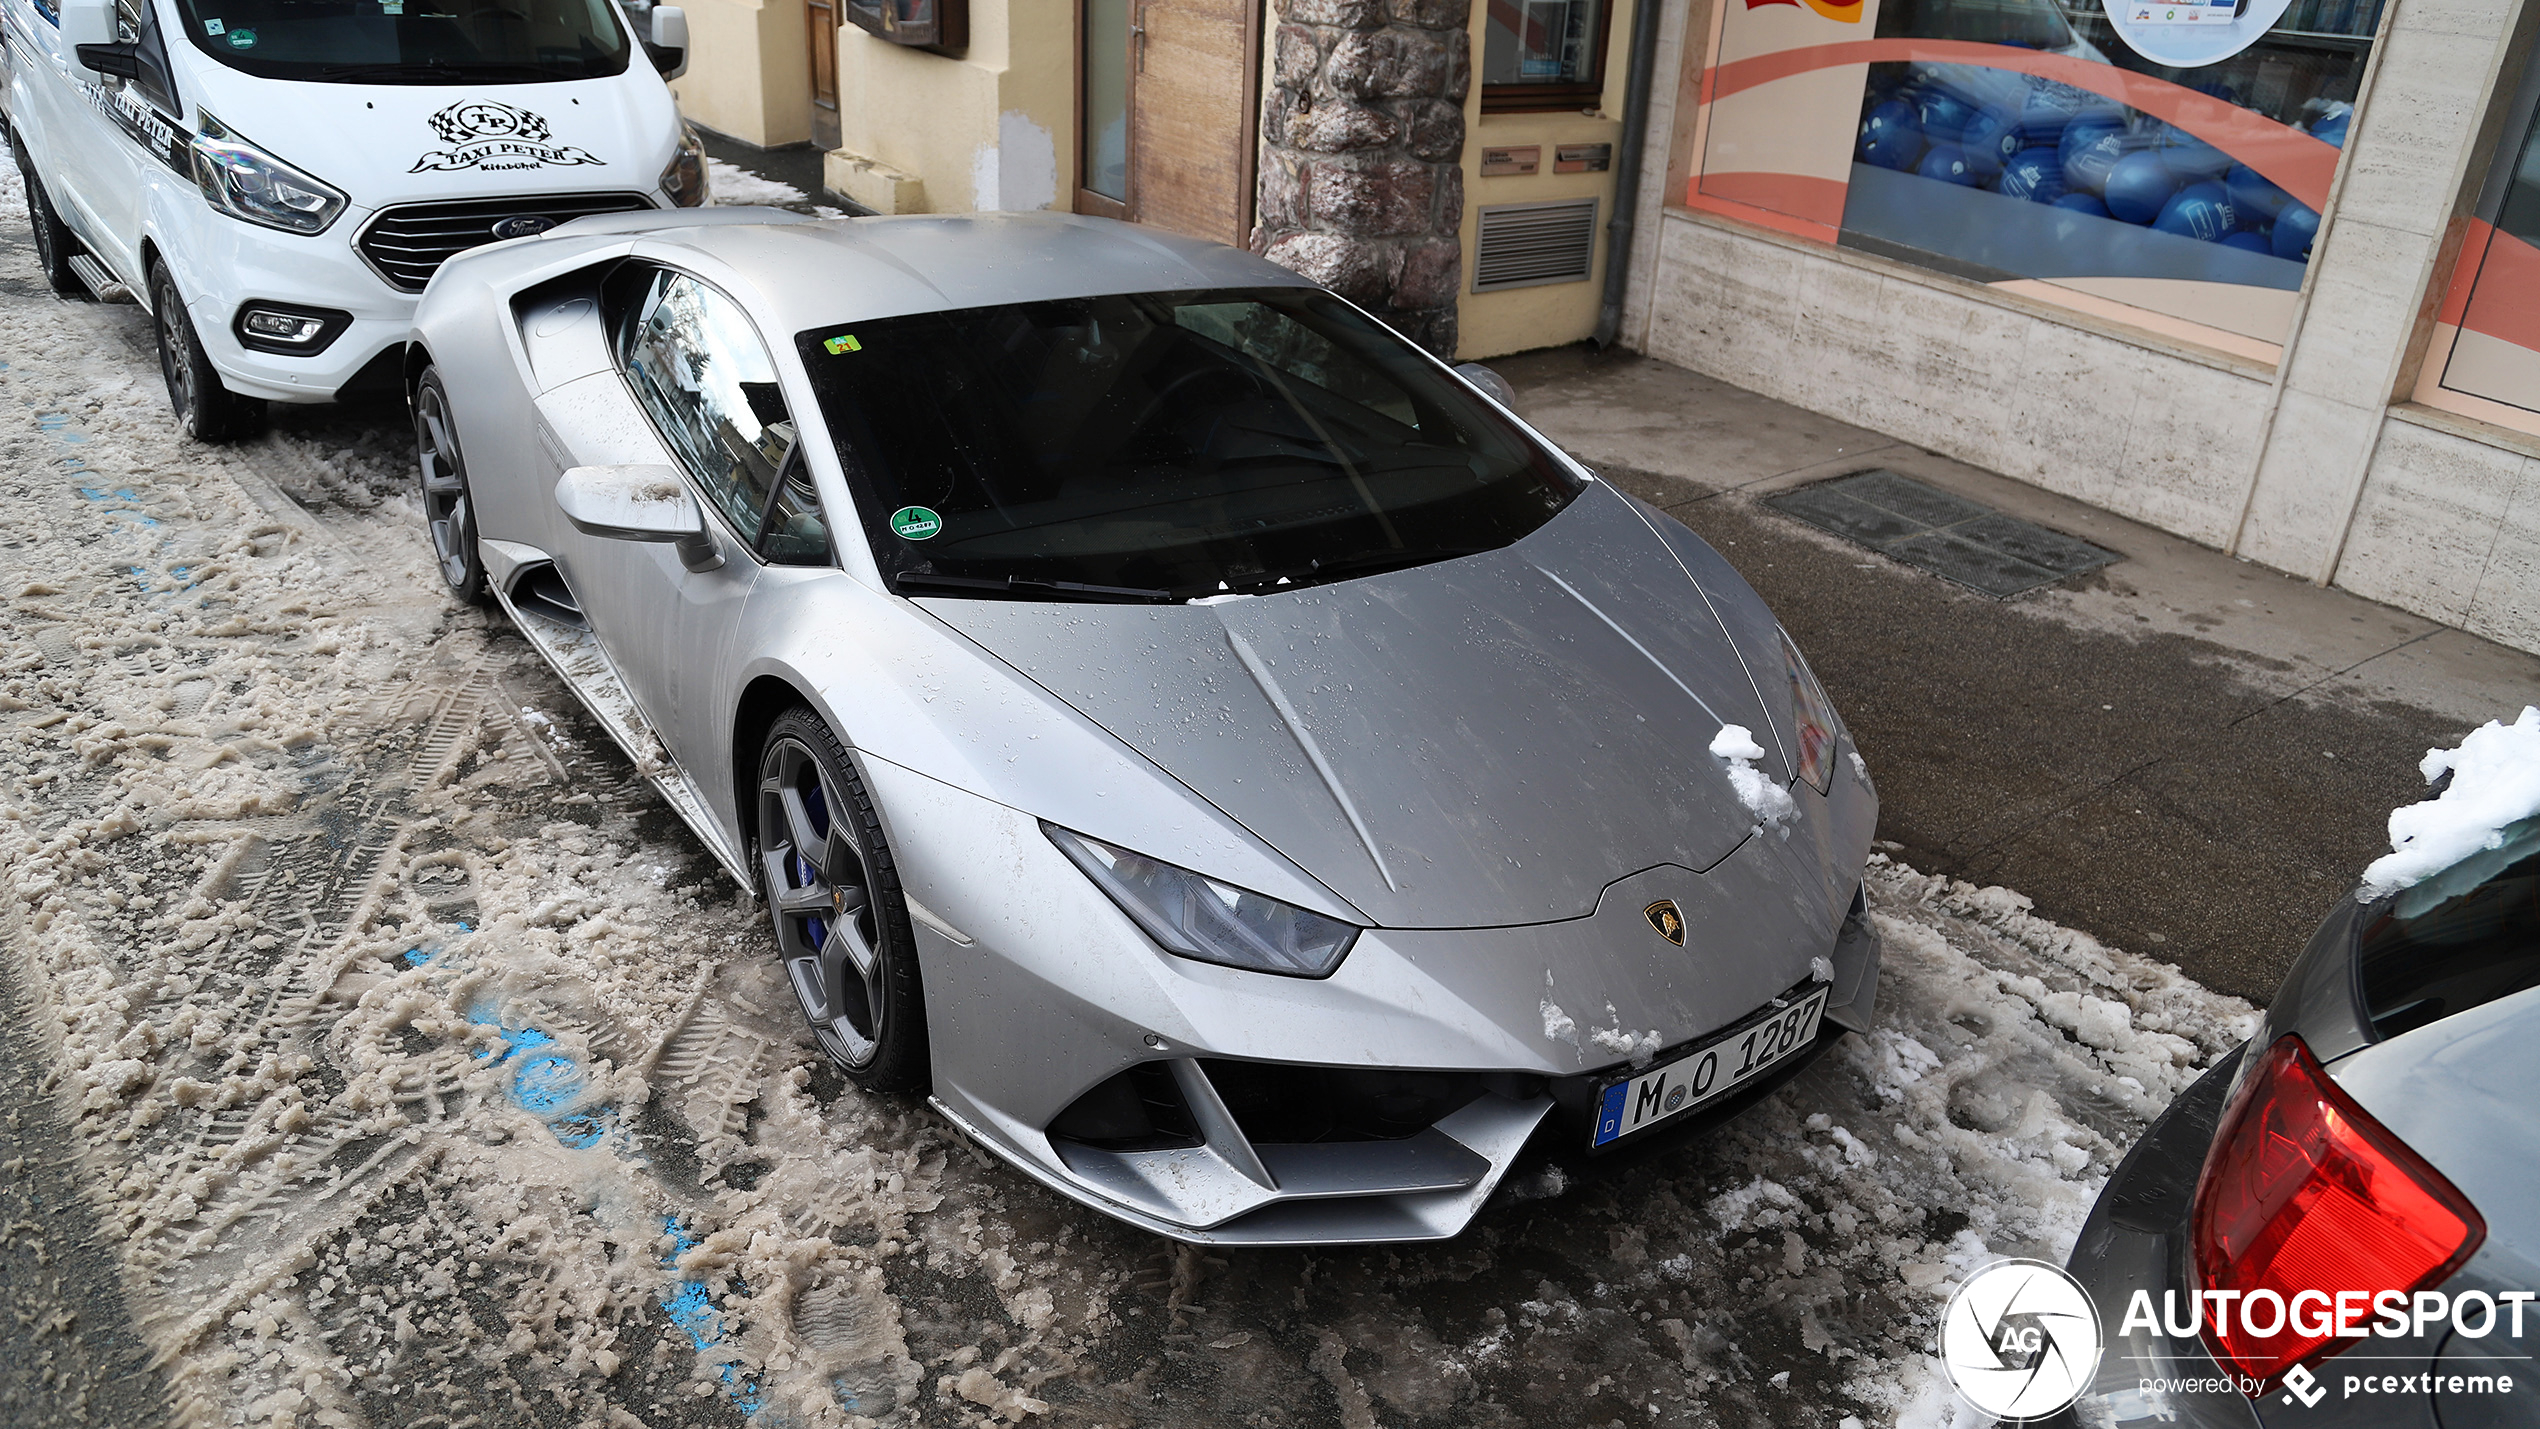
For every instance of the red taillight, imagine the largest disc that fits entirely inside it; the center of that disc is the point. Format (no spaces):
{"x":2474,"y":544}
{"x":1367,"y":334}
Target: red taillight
{"x":2303,"y":1191}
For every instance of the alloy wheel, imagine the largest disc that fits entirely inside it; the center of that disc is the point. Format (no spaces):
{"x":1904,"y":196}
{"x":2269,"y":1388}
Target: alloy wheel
{"x":445,"y":504}
{"x":820,"y":892}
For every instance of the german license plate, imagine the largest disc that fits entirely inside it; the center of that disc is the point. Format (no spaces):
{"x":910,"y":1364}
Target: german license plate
{"x":1708,"y":1072}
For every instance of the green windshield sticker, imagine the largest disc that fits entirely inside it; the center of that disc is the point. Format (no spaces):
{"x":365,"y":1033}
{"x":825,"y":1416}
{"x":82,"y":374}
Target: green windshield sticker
{"x":916,"y":523}
{"x":843,"y":342}
{"x":242,"y":39}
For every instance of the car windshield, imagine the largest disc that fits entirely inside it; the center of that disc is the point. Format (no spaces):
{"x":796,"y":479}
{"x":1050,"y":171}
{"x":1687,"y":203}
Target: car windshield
{"x":411,"y":41}
{"x":2461,"y":939}
{"x":1164,"y":446}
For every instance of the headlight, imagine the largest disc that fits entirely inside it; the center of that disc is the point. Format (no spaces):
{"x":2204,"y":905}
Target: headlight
{"x":1814,"y":716}
{"x":1197,"y":917}
{"x":246,"y":182}
{"x":685,"y":179}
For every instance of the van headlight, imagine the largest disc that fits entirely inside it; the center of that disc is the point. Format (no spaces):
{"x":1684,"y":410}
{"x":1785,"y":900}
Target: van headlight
{"x":246,"y":182}
{"x":1194,"y":916}
{"x":685,"y":179}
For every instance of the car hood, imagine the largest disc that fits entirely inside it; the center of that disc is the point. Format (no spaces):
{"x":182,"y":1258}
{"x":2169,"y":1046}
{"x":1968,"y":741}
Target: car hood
{"x":1482,"y":742}
{"x":381,"y":144}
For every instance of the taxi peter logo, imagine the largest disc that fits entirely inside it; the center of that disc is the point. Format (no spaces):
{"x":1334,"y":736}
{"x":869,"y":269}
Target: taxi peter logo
{"x":1662,"y":915}
{"x":483,"y":134}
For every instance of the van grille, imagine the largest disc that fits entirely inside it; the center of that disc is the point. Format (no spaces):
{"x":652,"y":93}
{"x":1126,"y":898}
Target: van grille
{"x":408,"y":244}
{"x":1523,"y":244}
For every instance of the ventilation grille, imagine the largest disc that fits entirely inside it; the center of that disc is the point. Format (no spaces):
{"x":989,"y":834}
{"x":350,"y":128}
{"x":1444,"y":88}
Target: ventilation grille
{"x":1523,"y":244}
{"x":408,"y":244}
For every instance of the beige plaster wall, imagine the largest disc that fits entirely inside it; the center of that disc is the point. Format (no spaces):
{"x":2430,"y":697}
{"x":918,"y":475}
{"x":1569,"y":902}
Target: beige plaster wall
{"x":749,"y":73}
{"x":1520,"y":319}
{"x":991,"y":129}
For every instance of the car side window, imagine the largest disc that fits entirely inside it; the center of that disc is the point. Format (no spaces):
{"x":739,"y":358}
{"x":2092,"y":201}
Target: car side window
{"x":700,"y":372}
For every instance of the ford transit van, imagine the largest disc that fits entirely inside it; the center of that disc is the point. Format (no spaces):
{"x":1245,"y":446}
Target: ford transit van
{"x":275,"y":181}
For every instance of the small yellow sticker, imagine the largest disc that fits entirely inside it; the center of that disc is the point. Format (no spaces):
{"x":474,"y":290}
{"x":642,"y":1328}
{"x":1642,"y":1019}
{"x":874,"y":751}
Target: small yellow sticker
{"x":843,"y":342}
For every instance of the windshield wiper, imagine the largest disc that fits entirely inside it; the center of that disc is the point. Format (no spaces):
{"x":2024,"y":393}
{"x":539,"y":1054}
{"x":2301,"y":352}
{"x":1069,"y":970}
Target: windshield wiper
{"x":396,"y":73}
{"x":1026,"y":587}
{"x":1366,"y":563}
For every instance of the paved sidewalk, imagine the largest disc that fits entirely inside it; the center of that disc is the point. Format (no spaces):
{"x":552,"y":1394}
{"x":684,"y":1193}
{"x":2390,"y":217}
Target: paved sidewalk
{"x":2183,"y":753}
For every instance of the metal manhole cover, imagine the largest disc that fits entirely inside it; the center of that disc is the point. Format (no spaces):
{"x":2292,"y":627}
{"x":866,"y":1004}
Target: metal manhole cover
{"x":1956,"y":539}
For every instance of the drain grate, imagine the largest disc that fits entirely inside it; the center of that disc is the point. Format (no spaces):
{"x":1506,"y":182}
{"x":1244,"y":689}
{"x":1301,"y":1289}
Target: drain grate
{"x":1949,"y":536}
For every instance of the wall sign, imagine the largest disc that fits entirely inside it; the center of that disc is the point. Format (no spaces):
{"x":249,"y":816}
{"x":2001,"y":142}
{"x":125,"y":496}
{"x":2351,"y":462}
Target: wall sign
{"x":1520,"y":159}
{"x":1582,"y":158}
{"x":2192,"y":33}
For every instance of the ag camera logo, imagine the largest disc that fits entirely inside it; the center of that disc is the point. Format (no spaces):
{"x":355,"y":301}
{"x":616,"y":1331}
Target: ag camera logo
{"x":2020,"y":1339}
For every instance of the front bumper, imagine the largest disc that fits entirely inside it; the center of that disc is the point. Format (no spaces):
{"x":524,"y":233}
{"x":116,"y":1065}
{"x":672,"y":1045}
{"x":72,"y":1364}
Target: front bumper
{"x":1040,"y":994}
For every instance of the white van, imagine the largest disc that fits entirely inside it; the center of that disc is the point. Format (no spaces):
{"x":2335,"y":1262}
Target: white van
{"x":276,"y":180}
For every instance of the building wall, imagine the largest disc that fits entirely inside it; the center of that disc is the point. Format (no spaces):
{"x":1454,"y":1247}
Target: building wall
{"x":2314,"y":463}
{"x":748,"y":73}
{"x":1520,"y":319}
{"x":989,"y":130}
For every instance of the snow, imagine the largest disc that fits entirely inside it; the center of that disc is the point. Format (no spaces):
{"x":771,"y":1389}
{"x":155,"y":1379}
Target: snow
{"x":729,"y":183}
{"x":422,"y":1067}
{"x":1769,"y":802}
{"x":2478,"y":824}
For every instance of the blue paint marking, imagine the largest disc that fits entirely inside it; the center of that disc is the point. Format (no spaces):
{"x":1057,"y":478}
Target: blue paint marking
{"x":692,"y":1310}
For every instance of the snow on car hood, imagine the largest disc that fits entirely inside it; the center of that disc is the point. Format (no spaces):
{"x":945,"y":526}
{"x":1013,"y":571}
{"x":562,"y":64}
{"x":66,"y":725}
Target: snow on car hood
{"x":384,"y":144}
{"x":1480,"y":742}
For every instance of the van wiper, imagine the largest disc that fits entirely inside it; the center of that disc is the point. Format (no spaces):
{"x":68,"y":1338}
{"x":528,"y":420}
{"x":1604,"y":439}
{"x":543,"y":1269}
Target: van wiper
{"x":1025,"y":587}
{"x":393,"y":73}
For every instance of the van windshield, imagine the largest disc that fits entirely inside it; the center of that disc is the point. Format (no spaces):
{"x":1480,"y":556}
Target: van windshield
{"x":1165,"y":446}
{"x":411,"y":41}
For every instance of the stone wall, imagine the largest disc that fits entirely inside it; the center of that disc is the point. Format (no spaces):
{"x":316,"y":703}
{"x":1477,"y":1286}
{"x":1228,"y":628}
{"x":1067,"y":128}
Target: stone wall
{"x":1361,"y":137}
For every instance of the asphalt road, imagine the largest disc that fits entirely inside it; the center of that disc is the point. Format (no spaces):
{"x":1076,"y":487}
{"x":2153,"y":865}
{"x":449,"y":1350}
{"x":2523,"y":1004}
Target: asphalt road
{"x":2174,"y":753}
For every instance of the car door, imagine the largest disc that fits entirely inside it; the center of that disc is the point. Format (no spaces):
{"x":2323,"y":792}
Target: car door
{"x":697,"y":369}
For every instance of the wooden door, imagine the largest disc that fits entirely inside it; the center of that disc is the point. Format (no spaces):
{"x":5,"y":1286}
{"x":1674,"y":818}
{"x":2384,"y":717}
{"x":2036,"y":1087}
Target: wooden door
{"x":1194,"y":90}
{"x":820,"y":19}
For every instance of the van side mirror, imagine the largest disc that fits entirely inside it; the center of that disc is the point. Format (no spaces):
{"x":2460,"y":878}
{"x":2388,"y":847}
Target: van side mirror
{"x":88,"y":37}
{"x":638,"y":503}
{"x":670,"y":41}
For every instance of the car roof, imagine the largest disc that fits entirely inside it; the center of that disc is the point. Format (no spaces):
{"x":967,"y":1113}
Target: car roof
{"x":811,"y":272}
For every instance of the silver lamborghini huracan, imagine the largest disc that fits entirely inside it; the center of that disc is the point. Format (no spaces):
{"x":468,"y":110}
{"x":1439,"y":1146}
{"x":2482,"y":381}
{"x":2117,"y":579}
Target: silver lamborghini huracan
{"x":1250,"y":778}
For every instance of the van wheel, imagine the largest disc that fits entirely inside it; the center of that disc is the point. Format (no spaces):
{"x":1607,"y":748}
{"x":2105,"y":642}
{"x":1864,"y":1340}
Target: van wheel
{"x":206,"y":410}
{"x":449,"y":513}
{"x":54,"y":241}
{"x":834,"y":894}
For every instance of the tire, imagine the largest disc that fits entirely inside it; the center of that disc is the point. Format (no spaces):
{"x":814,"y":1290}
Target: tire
{"x":449,"y":512}
{"x":206,"y":410}
{"x":54,"y":241}
{"x":820,"y":850}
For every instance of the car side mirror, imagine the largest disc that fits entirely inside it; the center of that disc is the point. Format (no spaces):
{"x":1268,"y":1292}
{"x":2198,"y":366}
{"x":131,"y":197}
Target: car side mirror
{"x":1491,"y":383}
{"x":638,"y":503}
{"x":88,"y":35}
{"x":670,"y":41}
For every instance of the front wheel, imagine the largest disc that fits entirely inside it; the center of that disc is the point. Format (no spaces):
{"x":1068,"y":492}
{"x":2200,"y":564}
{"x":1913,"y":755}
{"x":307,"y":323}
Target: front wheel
{"x":841,"y":924}
{"x":448,"y":511}
{"x":206,"y":410}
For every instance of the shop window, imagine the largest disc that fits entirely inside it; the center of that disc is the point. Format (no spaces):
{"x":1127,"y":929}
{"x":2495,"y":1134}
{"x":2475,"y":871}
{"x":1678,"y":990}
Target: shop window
{"x":1543,"y":55}
{"x":944,"y":24}
{"x":2170,"y":159}
{"x":2487,"y":334}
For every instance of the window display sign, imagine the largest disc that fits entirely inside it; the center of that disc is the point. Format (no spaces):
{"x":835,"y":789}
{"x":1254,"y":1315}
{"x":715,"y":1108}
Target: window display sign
{"x":2189,"y":34}
{"x":2024,"y":144}
{"x":2486,"y":355}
